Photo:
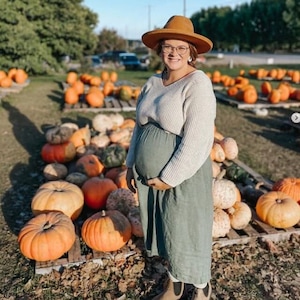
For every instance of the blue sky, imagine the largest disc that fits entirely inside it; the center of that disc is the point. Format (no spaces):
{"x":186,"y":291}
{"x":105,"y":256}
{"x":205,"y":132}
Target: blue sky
{"x":131,"y":18}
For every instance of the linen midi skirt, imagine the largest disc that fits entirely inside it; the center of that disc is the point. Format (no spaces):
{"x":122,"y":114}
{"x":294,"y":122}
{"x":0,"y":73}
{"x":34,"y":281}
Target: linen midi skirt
{"x":177,"y":222}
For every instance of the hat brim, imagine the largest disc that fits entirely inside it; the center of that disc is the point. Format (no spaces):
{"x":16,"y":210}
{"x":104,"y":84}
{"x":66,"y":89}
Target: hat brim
{"x":152,"y":38}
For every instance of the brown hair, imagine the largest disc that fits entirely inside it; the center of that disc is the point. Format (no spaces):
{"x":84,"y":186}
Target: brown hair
{"x":193,"y":53}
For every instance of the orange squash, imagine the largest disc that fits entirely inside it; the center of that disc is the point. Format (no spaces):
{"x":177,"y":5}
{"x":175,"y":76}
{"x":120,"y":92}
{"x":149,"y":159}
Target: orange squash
{"x":60,"y":153}
{"x":278,"y":209}
{"x":58,"y":195}
{"x":47,"y":236}
{"x":81,"y":137}
{"x":71,"y":95}
{"x":106,"y":231}
{"x":289,"y":186}
{"x":89,"y":165}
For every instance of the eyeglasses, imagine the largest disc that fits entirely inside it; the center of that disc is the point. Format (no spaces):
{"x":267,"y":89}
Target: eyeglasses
{"x":181,"y":50}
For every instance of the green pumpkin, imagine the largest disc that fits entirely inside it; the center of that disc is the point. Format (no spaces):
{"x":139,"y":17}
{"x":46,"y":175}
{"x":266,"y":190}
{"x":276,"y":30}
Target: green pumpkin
{"x":113,"y":156}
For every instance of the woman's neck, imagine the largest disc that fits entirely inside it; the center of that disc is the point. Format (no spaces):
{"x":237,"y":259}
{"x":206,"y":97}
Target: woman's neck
{"x":171,"y":76}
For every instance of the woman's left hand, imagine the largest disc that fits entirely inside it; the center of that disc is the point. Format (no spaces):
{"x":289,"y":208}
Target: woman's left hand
{"x":158,"y":184}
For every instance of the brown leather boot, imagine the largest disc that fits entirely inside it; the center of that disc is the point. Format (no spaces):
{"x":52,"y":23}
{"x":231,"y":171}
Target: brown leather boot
{"x":173,"y":291}
{"x":202,"y":294}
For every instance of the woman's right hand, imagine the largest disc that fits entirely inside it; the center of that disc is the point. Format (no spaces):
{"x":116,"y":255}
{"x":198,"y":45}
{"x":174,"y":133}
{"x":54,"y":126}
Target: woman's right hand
{"x":130,"y":180}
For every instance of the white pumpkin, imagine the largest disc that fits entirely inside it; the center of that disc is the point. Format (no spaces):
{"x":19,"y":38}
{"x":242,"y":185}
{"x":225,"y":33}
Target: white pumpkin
{"x":240,"y":215}
{"x":224,"y":193}
{"x":102,"y":123}
{"x":221,"y":223}
{"x":230,"y":147}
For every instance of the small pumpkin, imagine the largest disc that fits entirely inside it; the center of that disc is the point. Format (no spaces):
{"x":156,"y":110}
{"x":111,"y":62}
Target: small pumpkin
{"x":240,"y":215}
{"x":71,"y":96}
{"x":89,"y":165}
{"x":122,"y":200}
{"x":95,"y":99}
{"x":125,"y":93}
{"x":230,"y":147}
{"x":81,"y":137}
{"x":224,"y":193}
{"x":55,"y":171}
{"x":77,"y":178}
{"x":106,"y":231}
{"x":217,"y":153}
{"x":47,"y":236}
{"x":96,"y":191}
{"x":221,"y":223}
{"x":113,"y":156}
{"x":58,"y":195}
{"x":60,"y":153}
{"x":102,"y":123}
{"x":289,"y":186}
{"x":101,"y":140}
{"x":278,"y":209}
{"x":58,"y":134}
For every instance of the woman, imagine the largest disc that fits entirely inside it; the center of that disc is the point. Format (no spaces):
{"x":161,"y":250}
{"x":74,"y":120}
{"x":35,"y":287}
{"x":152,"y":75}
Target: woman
{"x":169,"y":158}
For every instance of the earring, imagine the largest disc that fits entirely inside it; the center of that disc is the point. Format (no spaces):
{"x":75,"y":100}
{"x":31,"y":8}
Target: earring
{"x":190,"y":59}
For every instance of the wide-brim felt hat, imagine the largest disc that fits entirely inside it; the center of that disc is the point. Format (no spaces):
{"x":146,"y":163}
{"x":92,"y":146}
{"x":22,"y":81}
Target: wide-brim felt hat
{"x":178,"y":28}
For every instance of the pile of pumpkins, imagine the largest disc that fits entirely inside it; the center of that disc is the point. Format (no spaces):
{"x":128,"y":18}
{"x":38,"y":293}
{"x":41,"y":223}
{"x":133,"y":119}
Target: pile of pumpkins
{"x":13,"y":75}
{"x":84,"y":168}
{"x":95,"y":88}
{"x":279,"y":208}
{"x":241,"y":89}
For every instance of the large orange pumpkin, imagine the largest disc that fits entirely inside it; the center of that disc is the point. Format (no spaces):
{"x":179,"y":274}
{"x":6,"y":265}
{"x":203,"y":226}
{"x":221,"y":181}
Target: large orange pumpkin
{"x":20,"y":76}
{"x":106,"y":231}
{"x":278,"y":209}
{"x":71,"y":96}
{"x":60,"y":153}
{"x":95,"y":99}
{"x":58,"y":195}
{"x":47,"y":236}
{"x":289,"y":186}
{"x":96,"y":191}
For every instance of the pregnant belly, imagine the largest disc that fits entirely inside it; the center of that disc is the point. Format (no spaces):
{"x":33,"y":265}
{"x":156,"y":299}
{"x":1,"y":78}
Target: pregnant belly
{"x":154,"y":150}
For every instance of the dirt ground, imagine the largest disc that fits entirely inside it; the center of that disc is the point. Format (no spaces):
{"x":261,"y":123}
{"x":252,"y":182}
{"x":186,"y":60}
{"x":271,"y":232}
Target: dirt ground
{"x":259,"y":270}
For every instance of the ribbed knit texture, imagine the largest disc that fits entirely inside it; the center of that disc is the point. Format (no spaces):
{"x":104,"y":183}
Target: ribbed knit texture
{"x":186,"y":108}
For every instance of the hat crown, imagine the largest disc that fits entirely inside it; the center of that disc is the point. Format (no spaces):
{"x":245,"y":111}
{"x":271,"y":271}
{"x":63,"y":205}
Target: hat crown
{"x":180,"y":23}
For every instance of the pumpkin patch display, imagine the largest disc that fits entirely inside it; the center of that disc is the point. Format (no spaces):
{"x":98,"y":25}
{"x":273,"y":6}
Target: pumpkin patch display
{"x":47,"y":236}
{"x":277,"y":209}
{"x":60,"y":196}
{"x":106,"y":231}
{"x":96,"y":191}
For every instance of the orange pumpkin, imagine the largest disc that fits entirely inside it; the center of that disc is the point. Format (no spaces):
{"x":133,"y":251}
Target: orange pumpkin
{"x":278,"y":209}
{"x":71,"y":77}
{"x":266,"y":88}
{"x":58,"y":195}
{"x":78,"y":85}
{"x":6,"y":82}
{"x":108,"y":88}
{"x":289,"y":186}
{"x":284,"y":91}
{"x":250,"y":95}
{"x":71,"y":96}
{"x":89,"y":165}
{"x":274,"y":96}
{"x":81,"y":137}
{"x":106,"y":231}
{"x":47,"y":236}
{"x":104,"y":75}
{"x":95,"y":99}
{"x":20,"y":76}
{"x":95,"y":81}
{"x":60,"y":153}
{"x":96,"y":191}
{"x":113,"y":76}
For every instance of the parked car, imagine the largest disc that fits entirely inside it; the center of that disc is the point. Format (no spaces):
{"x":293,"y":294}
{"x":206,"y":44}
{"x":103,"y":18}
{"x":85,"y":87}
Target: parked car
{"x":111,"y":55}
{"x":130,"y":61}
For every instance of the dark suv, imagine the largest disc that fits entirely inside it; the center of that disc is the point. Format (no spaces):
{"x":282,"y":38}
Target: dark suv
{"x":130,"y":61}
{"x":111,"y":55}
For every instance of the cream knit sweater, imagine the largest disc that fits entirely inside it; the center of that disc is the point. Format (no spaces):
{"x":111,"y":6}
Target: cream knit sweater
{"x":186,"y":108}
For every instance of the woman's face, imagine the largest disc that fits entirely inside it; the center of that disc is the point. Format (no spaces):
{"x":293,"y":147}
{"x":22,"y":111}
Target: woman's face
{"x":175,"y":54}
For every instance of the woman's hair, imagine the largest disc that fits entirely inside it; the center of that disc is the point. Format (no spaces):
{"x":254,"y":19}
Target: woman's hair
{"x":193,"y":53}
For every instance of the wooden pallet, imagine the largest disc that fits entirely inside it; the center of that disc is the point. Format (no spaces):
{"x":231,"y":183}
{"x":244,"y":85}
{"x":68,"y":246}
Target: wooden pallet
{"x":15,"y":88}
{"x":74,"y":257}
{"x":256,"y":230}
{"x":262,"y":102}
{"x":110,"y":104}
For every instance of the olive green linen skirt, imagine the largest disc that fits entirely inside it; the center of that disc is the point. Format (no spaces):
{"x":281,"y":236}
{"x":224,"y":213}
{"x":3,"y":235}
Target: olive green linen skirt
{"x":177,"y":222}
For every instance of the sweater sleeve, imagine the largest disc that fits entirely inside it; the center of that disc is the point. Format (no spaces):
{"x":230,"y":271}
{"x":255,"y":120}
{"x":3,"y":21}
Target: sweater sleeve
{"x":198,"y":133}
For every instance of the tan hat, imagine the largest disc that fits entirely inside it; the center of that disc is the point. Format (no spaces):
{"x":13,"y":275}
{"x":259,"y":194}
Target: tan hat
{"x":179,"y":28}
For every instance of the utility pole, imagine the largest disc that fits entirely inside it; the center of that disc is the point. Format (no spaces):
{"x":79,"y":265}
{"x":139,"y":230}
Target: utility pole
{"x":184,"y":8}
{"x":149,"y":17}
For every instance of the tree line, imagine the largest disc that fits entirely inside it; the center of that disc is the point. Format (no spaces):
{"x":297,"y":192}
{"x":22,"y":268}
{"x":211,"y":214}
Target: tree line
{"x":36,"y":34}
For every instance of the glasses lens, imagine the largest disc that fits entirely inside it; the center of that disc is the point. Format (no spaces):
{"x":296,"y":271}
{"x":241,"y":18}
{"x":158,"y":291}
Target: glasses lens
{"x":180,"y":49}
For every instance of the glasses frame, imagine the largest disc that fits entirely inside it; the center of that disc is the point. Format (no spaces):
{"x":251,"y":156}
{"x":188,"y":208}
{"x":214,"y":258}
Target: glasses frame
{"x":172,"y":48}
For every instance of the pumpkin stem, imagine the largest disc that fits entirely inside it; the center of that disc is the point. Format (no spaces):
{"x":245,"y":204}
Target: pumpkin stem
{"x":103,"y":213}
{"x":47,"y":226}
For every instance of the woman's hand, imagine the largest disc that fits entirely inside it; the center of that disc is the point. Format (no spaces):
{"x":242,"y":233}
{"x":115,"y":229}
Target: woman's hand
{"x":130,"y":180}
{"x":158,"y":184}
